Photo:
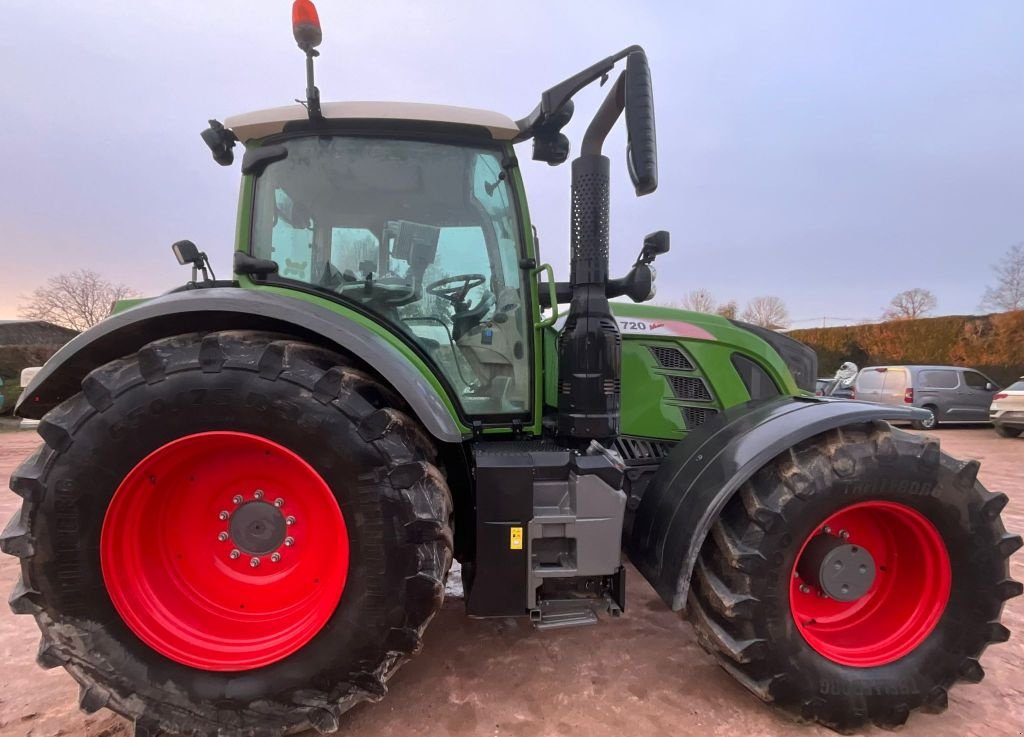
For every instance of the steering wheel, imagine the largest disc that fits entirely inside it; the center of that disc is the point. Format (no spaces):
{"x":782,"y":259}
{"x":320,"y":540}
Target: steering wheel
{"x":455,"y":288}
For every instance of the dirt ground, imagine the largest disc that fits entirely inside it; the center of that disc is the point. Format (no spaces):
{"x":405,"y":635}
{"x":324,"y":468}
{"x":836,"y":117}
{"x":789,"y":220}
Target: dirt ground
{"x":642,"y":674}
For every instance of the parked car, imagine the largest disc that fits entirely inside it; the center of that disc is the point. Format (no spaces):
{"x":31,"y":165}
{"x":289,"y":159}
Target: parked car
{"x":1007,"y":411}
{"x":27,"y":375}
{"x":950,"y":393}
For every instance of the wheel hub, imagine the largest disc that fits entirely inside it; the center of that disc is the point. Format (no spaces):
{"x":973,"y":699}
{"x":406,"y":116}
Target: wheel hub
{"x":257,"y":528}
{"x":840,"y":570}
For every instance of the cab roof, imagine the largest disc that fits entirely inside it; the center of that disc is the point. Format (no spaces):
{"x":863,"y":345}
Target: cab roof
{"x":263,"y":123}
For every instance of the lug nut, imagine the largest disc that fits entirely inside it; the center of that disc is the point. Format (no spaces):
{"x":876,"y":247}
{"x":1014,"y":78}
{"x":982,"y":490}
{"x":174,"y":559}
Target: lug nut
{"x":275,"y":557}
{"x":805,"y":589}
{"x":234,"y":554}
{"x":289,"y":520}
{"x":223,"y":515}
{"x":289,"y":541}
{"x":844,"y":534}
{"x":827,"y":530}
{"x":258,"y":494}
{"x":237,"y":499}
{"x":222,"y":536}
{"x":254,"y":562}
{"x":279,"y":502}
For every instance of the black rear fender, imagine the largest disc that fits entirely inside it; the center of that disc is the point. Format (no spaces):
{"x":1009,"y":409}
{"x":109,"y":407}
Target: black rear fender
{"x":702,"y":472}
{"x":230,"y":309}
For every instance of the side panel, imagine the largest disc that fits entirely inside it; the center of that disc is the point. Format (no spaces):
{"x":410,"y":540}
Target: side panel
{"x":702,"y":472}
{"x":678,"y":369}
{"x":232,"y":308}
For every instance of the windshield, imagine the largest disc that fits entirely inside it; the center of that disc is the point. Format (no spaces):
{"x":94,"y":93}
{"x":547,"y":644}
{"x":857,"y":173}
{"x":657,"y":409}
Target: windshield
{"x":423,"y":235}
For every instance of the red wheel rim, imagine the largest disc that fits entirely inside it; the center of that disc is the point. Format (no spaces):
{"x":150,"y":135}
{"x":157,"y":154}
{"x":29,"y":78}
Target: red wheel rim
{"x":905,"y":601}
{"x":168,"y":561}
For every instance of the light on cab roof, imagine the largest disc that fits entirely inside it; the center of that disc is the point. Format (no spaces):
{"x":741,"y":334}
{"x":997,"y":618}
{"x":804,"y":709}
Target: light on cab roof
{"x":306,"y":25}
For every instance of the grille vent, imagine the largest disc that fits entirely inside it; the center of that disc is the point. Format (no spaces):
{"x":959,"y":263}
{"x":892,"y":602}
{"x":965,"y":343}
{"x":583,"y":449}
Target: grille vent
{"x":689,"y":388}
{"x":697,"y":416}
{"x":671,"y":358}
{"x":637,"y":449}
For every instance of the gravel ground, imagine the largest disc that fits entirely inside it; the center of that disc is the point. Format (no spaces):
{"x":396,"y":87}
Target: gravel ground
{"x":642,"y":674}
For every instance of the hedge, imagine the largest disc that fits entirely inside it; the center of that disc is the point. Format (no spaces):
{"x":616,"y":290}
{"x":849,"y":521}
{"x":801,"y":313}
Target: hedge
{"x":993,"y":344}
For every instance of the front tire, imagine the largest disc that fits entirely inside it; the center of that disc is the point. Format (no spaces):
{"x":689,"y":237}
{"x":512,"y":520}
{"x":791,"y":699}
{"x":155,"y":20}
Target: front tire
{"x":134,"y":497}
{"x":936,"y":540}
{"x":1008,"y":432}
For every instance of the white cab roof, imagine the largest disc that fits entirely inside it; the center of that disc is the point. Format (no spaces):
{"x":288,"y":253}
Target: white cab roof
{"x":264,"y":123}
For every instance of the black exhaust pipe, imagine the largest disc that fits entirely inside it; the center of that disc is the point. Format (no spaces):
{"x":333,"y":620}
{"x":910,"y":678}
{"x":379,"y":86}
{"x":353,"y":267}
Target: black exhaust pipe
{"x":589,"y":344}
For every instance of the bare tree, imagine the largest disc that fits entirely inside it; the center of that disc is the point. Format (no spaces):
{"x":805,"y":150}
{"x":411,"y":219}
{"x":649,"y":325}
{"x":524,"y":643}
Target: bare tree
{"x":699,"y":300}
{"x":910,"y":305}
{"x":1008,"y":292}
{"x":729,"y":310}
{"x":767,"y":311}
{"x":76,"y":300}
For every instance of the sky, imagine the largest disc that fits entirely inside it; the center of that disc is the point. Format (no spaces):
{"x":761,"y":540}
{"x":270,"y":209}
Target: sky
{"x":830,"y":153}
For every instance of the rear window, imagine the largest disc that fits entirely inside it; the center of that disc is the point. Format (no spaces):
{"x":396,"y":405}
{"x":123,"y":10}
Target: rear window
{"x":870,"y":379}
{"x":1017,"y":386}
{"x":895,"y":380}
{"x":939,"y":379}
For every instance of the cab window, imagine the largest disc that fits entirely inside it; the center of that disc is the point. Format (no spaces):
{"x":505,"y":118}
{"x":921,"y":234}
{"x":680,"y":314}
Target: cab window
{"x":423,"y":236}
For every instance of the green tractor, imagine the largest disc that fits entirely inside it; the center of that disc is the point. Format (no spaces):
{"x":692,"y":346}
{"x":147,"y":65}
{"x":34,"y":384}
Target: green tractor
{"x":250,"y":491}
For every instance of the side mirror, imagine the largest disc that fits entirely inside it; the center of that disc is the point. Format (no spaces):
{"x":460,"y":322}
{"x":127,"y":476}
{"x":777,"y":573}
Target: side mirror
{"x":990,"y":387}
{"x":220,"y":141}
{"x":642,"y":145}
{"x":655,"y":244}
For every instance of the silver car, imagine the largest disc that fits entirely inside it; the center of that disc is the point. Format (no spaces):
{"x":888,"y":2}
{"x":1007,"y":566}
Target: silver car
{"x":950,"y":393}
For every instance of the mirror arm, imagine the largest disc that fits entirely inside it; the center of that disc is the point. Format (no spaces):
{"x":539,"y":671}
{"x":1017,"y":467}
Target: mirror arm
{"x":609,"y":112}
{"x":554,"y":98}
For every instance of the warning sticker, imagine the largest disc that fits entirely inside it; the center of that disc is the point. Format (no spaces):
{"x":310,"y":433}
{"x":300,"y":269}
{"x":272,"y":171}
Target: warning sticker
{"x":515,"y":541}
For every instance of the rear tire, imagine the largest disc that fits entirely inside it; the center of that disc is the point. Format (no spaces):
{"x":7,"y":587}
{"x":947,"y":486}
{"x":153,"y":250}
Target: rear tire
{"x":746,"y":578}
{"x":352,"y":433}
{"x":1008,"y":432}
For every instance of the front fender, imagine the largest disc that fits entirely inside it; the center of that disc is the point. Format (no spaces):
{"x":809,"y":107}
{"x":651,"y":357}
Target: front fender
{"x":225,"y":309}
{"x":701,"y":473}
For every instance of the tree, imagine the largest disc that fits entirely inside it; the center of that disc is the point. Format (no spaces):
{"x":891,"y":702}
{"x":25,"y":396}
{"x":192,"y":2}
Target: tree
{"x":76,"y":300}
{"x":1008,"y":292}
{"x":729,"y":310}
{"x":699,"y":300}
{"x":910,"y":305}
{"x":767,"y":311}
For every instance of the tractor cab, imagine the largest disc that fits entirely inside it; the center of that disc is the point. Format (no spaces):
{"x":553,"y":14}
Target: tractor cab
{"x":417,"y":230}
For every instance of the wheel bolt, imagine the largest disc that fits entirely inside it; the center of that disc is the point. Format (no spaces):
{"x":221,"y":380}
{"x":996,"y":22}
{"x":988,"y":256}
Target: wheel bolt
{"x":258,"y":494}
{"x":223,"y":515}
{"x":275,"y":557}
{"x":805,"y":589}
{"x":254,"y":562}
{"x":237,"y":499}
{"x":827,"y":530}
{"x":289,"y":541}
{"x":279,"y":502}
{"x":289,"y":520}
{"x":222,"y":536}
{"x":844,"y":534}
{"x":234,"y":554}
